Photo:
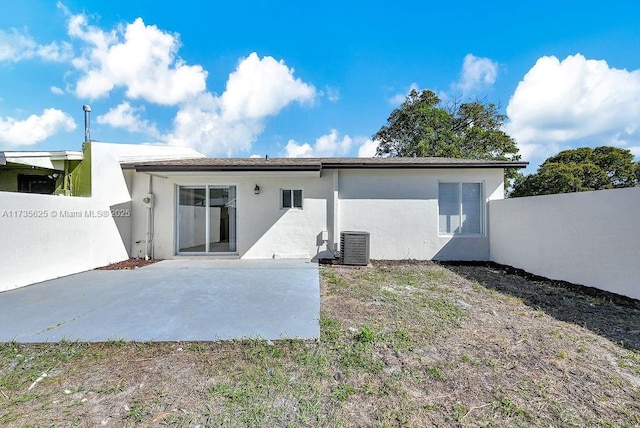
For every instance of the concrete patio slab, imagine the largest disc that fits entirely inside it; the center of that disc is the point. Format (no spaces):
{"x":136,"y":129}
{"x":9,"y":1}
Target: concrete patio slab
{"x":172,"y":300}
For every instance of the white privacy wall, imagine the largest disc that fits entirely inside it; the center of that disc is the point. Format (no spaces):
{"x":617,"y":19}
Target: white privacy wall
{"x":399,"y":209}
{"x":47,"y":236}
{"x":588,"y":238}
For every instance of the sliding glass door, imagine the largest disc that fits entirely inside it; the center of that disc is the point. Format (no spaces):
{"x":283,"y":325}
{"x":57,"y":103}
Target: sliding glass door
{"x":206,"y":219}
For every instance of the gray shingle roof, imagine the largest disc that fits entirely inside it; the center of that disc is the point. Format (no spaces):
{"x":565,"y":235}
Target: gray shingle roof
{"x":314,"y":164}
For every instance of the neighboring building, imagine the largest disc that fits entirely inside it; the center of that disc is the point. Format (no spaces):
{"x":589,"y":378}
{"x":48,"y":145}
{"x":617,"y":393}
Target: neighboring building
{"x":413,"y":208}
{"x":46,"y":173}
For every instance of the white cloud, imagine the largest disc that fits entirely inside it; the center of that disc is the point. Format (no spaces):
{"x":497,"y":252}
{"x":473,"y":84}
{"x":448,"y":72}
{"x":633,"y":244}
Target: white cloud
{"x":477,"y":73}
{"x":229,"y":124}
{"x":34,"y":129}
{"x":207,"y":131}
{"x":16,"y":46}
{"x":328,"y":145}
{"x":367,"y":149}
{"x":262,"y":87}
{"x":333,"y":94}
{"x":138,"y":57}
{"x":577,"y":101}
{"x":143,"y":61}
{"x":295,"y":150}
{"x":400,"y":97}
{"x":127,"y":117}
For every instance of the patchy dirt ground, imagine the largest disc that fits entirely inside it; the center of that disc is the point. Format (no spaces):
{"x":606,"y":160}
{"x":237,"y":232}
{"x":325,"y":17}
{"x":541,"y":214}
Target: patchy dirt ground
{"x":610,"y":315}
{"x":415,"y":344}
{"x":131,"y":263}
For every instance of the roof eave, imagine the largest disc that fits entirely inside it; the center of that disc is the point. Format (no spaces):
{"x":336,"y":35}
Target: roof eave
{"x":153,"y":167}
{"x":424,"y":166}
{"x":209,"y":168}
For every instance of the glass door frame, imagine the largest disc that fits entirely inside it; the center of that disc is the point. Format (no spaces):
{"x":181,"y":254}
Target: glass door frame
{"x":207,"y":232}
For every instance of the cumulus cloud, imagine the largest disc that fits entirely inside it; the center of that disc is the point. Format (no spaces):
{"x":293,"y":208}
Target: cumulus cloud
{"x":230,"y":123}
{"x":576,"y":101}
{"x":35,"y":128}
{"x":262,"y":87}
{"x":18,"y":46}
{"x":128,"y":117}
{"x":367,"y":149}
{"x":295,"y":150}
{"x":140,"y":58}
{"x":328,"y":145}
{"x":206,"y":130}
{"x":143,"y":61}
{"x":477,"y":73}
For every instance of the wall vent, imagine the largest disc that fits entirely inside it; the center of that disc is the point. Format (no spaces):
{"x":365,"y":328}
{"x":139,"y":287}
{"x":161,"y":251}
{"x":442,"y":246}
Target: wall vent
{"x":354,"y":248}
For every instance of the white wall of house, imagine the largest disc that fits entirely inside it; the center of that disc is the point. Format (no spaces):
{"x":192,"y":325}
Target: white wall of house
{"x":399,"y":208}
{"x":47,"y":236}
{"x":264,"y":230}
{"x":588,"y":238}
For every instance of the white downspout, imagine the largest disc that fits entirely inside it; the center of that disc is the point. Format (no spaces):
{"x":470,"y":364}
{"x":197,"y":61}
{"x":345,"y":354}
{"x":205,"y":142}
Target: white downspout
{"x":148,"y":234}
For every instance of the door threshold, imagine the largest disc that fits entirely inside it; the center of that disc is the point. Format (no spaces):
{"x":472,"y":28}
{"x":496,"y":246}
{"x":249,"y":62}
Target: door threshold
{"x":230,"y":256}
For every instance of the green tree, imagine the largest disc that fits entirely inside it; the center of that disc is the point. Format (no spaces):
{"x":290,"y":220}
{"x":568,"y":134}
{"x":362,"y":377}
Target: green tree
{"x":580,"y":170}
{"x":421,"y":126}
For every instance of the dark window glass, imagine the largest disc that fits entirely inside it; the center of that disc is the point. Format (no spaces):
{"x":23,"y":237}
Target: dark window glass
{"x":297,"y":198}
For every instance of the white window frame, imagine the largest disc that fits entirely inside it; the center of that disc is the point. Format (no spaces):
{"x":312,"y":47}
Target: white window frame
{"x":291,"y":193}
{"x":482,"y":214}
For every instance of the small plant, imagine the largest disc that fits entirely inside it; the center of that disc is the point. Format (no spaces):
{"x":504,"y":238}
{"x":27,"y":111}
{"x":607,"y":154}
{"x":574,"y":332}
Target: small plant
{"x":459,"y":412}
{"x":366,"y":335}
{"x":342,"y":392}
{"x":434,"y":372}
{"x":137,"y":412}
{"x":196,"y":347}
{"x":510,"y":408}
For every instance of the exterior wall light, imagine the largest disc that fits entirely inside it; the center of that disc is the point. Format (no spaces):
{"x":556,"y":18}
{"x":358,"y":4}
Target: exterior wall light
{"x":256,"y":190}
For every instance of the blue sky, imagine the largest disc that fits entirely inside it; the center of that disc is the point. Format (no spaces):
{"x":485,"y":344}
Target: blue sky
{"x":313,"y":79}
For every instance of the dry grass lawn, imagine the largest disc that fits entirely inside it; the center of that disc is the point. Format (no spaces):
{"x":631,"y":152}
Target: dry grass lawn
{"x":415,"y":344}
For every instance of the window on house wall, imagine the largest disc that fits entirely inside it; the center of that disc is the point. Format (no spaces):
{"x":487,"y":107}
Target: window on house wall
{"x":43,"y":184}
{"x":291,"y":198}
{"x":460,"y":209}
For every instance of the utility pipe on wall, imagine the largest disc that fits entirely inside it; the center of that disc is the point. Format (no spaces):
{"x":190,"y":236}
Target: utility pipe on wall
{"x":149,"y":232}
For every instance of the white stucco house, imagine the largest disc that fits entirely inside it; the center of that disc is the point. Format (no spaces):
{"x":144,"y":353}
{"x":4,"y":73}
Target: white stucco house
{"x":115,"y":201}
{"x":412,"y":208}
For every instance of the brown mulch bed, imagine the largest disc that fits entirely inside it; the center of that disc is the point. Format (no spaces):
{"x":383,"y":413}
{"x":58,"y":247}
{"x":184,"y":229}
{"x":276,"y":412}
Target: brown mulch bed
{"x":132,"y":263}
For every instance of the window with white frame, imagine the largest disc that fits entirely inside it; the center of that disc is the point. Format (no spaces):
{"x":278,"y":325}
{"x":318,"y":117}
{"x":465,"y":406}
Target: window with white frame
{"x":460,"y":209}
{"x":291,"y":198}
